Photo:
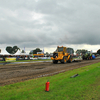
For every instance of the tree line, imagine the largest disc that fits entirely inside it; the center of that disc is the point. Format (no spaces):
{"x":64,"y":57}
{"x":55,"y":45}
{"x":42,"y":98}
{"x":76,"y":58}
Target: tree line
{"x":13,"y":50}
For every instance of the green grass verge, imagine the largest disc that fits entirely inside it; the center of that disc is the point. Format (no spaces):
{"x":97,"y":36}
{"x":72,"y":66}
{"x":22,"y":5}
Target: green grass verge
{"x":86,"y":86}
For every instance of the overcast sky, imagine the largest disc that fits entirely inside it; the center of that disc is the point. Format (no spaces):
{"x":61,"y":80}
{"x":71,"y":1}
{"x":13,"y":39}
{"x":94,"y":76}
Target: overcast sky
{"x":49,"y":23}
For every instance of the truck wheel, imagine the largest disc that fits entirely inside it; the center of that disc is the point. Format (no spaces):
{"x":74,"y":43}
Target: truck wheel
{"x":83,"y":57}
{"x":70,"y":60}
{"x":64,"y":60}
{"x":55,"y":61}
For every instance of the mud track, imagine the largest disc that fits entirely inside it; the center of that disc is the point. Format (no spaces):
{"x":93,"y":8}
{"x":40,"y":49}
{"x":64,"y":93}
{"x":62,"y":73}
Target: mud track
{"x":20,"y":72}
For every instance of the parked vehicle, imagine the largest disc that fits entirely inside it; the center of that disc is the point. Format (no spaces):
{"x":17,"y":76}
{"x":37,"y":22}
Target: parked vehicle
{"x":87,"y":56}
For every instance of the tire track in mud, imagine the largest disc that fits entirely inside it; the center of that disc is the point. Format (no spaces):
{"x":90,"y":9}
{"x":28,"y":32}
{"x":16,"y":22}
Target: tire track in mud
{"x":16,"y":73}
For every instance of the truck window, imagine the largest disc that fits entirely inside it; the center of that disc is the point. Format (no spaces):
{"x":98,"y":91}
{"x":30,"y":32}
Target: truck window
{"x":70,"y":50}
{"x":60,"y":49}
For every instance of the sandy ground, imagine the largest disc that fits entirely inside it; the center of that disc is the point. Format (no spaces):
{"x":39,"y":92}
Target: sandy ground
{"x":12,"y":73}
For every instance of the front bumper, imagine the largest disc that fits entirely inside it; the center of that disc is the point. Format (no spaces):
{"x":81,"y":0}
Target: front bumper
{"x":57,"y":58}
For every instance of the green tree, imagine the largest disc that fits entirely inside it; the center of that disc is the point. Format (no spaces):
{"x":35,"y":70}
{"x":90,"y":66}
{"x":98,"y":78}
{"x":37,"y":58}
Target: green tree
{"x":47,"y":54}
{"x":78,"y":51}
{"x":35,"y":51}
{"x":12,"y":50}
{"x":98,"y":51}
{"x":31,"y":52}
{"x":23,"y":51}
{"x":83,"y":51}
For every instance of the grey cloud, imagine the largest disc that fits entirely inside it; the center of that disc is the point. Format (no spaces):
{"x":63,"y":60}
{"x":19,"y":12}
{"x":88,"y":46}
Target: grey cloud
{"x":60,"y":22}
{"x":12,"y":4}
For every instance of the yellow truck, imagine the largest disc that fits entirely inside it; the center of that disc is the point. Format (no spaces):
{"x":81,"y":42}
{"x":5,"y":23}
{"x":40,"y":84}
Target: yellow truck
{"x":62,"y":54}
{"x":39,"y":54}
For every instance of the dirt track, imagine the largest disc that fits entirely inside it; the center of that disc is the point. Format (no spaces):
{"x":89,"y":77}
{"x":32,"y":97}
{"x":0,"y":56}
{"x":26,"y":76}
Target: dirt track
{"x":20,"y":72}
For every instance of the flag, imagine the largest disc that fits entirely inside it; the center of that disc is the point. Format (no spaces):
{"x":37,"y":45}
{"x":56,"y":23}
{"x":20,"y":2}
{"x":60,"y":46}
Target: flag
{"x":43,"y":50}
{"x":24,"y":49}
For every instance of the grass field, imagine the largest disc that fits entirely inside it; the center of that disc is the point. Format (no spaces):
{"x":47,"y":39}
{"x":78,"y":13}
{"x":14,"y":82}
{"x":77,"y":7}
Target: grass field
{"x":86,"y":86}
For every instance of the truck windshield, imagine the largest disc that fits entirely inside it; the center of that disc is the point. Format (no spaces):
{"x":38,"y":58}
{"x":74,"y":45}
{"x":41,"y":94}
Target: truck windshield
{"x":60,"y":49}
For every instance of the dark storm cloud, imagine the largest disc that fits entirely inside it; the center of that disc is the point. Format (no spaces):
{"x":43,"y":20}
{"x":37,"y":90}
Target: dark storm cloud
{"x":43,"y":23}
